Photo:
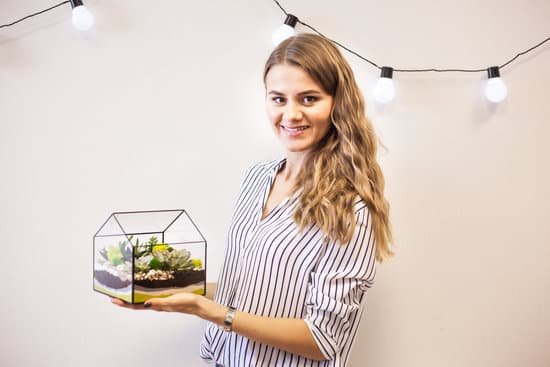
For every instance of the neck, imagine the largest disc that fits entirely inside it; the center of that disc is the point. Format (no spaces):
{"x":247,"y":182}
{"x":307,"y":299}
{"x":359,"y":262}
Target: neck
{"x":294,"y":164}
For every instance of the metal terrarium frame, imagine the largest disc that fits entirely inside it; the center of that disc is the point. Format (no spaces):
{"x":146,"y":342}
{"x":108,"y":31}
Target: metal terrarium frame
{"x":114,"y":216}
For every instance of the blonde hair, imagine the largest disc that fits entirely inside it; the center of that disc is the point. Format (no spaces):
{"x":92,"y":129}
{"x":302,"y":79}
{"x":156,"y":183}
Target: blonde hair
{"x":344,"y":164}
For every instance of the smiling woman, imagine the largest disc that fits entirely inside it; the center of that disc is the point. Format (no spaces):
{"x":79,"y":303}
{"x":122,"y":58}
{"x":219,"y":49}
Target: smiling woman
{"x":317,"y":88}
{"x":297,"y":107}
{"x":306,"y":230}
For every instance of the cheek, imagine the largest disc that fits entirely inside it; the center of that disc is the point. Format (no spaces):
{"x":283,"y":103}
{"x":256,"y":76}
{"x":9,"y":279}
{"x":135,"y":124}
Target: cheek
{"x":273,"y":115}
{"x":322,"y":116}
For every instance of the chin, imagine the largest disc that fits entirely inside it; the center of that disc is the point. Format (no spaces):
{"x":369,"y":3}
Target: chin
{"x":297,"y":148}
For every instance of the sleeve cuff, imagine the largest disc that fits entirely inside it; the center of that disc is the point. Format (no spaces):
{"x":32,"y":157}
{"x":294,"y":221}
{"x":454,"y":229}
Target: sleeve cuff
{"x":326,"y":345}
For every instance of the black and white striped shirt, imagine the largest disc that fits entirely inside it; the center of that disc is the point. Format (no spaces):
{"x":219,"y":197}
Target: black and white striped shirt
{"x":273,"y":270}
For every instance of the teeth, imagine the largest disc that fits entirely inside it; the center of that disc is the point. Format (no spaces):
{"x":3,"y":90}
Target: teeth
{"x":296,"y":128}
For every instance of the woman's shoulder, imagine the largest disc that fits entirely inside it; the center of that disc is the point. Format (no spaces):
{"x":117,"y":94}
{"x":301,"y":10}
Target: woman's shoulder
{"x":260,"y":169}
{"x":263,"y":167}
{"x":360,"y":206}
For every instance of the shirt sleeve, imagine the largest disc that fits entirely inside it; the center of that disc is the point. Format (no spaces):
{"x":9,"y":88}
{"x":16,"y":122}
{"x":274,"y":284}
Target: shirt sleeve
{"x":337,"y":286}
{"x":205,"y":345}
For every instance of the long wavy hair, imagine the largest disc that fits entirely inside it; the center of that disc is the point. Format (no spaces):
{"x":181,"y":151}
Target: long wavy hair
{"x":343,"y":165}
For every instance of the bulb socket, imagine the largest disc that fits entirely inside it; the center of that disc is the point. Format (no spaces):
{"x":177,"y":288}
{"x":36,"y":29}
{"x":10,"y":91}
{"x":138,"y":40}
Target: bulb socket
{"x":387,"y":72}
{"x":75,"y":3}
{"x":291,"y":20}
{"x":493,"y":72}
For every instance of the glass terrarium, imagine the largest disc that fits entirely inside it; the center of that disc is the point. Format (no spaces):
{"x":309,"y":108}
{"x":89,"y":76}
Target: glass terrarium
{"x":147,"y":254}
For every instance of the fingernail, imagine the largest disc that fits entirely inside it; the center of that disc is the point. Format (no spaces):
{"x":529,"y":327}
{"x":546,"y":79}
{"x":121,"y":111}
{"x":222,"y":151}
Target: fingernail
{"x":146,"y":305}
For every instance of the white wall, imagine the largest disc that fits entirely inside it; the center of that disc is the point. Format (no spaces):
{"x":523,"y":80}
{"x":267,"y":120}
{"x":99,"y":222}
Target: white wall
{"x":162,"y":107}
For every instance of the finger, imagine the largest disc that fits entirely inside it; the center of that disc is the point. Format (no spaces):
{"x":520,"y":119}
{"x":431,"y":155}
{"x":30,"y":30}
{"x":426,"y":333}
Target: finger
{"x":125,"y":304}
{"x":156,"y":304}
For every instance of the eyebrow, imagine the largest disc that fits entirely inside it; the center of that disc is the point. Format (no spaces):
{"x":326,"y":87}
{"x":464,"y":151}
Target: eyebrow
{"x":310,"y":91}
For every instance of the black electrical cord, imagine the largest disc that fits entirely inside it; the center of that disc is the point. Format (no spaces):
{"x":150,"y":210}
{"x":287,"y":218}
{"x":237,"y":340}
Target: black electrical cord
{"x":35,"y":14}
{"x":412,"y":70}
{"x":339,"y":44}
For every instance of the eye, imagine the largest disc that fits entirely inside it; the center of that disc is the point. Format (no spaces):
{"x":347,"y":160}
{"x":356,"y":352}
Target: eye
{"x":310,"y":99}
{"x":278,"y":100}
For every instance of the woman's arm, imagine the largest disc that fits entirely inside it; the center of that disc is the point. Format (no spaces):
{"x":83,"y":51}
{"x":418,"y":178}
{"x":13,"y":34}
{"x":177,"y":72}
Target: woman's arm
{"x":292,"y":335}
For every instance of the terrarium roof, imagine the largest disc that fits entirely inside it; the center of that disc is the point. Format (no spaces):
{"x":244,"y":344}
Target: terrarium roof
{"x":175,"y":222}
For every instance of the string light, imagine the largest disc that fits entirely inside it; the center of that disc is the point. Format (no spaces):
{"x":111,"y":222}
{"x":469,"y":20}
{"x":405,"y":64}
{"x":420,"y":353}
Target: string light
{"x":384,"y":91}
{"x":285,"y":31}
{"x":495,"y":89}
{"x":83,"y":20}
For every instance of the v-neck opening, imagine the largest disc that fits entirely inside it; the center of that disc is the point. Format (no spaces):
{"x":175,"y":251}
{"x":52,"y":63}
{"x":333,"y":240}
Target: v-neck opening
{"x":267,"y":190}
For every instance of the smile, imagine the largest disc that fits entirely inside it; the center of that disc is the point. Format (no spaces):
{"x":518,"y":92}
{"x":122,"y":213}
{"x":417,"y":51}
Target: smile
{"x":294,"y":129}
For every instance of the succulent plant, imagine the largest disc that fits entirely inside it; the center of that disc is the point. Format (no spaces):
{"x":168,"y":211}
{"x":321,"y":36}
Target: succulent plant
{"x":117,"y":254}
{"x":142,"y":263}
{"x":117,"y":259}
{"x":153,"y":255}
{"x":180,"y":260}
{"x":114,"y":255}
{"x":150,"y":255}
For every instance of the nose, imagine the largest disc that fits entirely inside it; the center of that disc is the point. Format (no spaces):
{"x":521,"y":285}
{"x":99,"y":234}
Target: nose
{"x":292,"y":112}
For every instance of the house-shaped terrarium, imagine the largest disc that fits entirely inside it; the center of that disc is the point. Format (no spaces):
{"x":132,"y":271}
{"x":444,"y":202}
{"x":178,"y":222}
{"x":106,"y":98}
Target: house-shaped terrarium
{"x":147,"y":254}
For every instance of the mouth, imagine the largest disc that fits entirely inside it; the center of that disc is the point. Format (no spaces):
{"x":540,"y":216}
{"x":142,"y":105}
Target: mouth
{"x":294,"y":129}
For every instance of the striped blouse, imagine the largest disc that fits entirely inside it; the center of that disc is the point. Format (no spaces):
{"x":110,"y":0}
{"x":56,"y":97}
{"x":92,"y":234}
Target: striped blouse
{"x":273,"y":270}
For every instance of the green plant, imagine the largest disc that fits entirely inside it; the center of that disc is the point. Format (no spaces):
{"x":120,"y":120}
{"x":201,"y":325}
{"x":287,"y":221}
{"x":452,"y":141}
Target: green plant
{"x":117,"y":254}
{"x":161,"y":256}
{"x":150,"y":255}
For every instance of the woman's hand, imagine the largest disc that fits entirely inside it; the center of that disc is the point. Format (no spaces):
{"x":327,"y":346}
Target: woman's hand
{"x":179,"y":302}
{"x":188,"y":303}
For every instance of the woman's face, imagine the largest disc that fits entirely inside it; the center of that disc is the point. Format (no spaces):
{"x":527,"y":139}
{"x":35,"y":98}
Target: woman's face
{"x":297,"y":107}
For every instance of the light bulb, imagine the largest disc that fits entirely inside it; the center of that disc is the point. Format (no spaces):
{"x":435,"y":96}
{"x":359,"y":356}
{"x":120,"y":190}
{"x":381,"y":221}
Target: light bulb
{"x":285,"y":31}
{"x":384,"y":90}
{"x":83,"y":19}
{"x":495,"y":89}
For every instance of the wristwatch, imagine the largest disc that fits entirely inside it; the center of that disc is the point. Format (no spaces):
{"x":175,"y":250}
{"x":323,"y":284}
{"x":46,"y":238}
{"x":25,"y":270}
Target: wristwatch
{"x":228,"y":321}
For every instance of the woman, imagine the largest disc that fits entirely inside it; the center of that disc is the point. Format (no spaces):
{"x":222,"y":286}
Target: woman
{"x":301,"y":247}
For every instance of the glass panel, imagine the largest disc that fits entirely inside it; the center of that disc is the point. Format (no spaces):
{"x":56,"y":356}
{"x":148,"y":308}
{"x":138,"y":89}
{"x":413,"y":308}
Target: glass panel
{"x":110,"y":228}
{"x":183,"y":230}
{"x":113,"y":266}
{"x":164,"y":269}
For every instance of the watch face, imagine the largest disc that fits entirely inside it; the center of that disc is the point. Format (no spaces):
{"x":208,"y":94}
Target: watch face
{"x":228,"y":321}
